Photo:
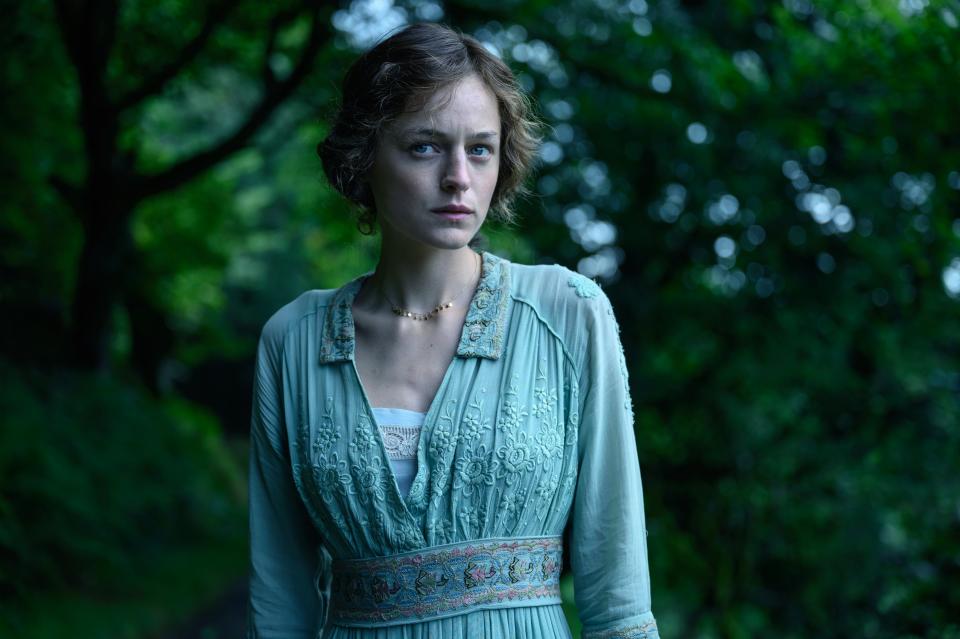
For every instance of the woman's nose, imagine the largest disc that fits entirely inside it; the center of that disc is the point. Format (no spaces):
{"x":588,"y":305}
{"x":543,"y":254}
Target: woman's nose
{"x":455,"y":176}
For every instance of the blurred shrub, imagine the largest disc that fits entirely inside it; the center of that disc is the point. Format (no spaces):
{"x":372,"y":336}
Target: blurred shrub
{"x":94,"y":471}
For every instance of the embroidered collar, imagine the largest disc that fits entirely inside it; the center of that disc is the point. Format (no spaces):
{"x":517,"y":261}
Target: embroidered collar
{"x":482,"y":334}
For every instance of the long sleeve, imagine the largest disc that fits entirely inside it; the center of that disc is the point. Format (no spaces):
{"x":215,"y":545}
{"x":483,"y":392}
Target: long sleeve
{"x":285,"y":554}
{"x":609,"y":539}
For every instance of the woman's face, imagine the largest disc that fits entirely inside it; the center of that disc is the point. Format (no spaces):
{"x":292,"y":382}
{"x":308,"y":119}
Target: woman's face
{"x":436,"y":161}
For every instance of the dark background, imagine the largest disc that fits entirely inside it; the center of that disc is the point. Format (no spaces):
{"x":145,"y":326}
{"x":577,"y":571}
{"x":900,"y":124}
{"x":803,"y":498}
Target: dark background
{"x":769,"y":192}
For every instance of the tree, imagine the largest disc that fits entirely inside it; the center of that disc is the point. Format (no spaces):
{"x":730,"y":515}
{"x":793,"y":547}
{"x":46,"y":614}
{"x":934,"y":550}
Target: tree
{"x":113,"y":184}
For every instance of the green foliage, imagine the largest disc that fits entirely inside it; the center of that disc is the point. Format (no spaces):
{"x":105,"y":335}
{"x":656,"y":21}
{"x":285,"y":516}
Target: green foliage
{"x":39,"y":240}
{"x":164,"y":591}
{"x":94,"y":474}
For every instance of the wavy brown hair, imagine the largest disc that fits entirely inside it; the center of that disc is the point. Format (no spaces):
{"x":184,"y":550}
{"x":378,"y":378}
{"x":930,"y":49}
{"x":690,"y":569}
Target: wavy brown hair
{"x":398,"y":75}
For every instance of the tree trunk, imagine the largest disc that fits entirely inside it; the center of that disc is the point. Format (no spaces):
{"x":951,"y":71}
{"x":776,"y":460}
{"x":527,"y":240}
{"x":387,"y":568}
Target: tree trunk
{"x":106,"y":248}
{"x":112,"y":188}
{"x":151,"y":338}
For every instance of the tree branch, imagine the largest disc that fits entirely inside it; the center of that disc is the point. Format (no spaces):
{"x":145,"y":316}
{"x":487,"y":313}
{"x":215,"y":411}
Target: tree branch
{"x":274,"y":95}
{"x":155,"y":83}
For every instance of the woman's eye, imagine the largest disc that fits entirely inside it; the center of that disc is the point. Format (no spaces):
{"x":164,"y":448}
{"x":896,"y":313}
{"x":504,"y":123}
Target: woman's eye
{"x":422,"y":148}
{"x":481,"y":150}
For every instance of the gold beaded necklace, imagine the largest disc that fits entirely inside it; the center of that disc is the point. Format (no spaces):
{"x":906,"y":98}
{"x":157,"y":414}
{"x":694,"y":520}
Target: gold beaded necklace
{"x":397,"y":310}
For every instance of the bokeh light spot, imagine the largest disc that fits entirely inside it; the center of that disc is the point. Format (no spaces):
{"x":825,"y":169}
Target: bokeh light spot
{"x":826,"y":263}
{"x":756,"y":235}
{"x":817,"y":155}
{"x":951,"y":278}
{"x":642,"y":27}
{"x":697,"y":133}
{"x":764,"y":287}
{"x":563,"y":133}
{"x":365,"y":22}
{"x":661,"y":81}
{"x":725,"y":247}
{"x":551,"y":153}
{"x":911,"y":8}
{"x":560,"y":109}
{"x":750,"y":66}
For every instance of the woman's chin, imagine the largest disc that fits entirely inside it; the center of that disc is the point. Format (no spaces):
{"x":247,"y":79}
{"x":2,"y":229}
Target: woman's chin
{"x":450,"y":238}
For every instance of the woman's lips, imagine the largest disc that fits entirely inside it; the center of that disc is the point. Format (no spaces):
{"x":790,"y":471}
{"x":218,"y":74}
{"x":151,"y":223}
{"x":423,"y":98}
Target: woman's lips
{"x":453,"y":212}
{"x":452,"y":215}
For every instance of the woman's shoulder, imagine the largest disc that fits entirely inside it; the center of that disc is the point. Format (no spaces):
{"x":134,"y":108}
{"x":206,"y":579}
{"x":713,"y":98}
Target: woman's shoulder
{"x":307,"y":306}
{"x":569,"y":302}
{"x":554,"y":287}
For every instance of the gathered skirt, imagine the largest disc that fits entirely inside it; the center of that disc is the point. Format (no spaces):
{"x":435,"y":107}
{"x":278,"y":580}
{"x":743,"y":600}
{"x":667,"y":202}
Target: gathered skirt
{"x":526,"y":622}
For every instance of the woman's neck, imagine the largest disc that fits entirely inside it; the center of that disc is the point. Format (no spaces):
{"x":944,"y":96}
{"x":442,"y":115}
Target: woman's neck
{"x":418,"y":282}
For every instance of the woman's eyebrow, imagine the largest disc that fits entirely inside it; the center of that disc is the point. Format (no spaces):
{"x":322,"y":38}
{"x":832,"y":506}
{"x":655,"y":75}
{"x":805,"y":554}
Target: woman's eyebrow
{"x":440,"y":135}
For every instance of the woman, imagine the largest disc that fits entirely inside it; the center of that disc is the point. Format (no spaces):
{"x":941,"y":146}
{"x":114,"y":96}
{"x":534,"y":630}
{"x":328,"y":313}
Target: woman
{"x":422,"y":435}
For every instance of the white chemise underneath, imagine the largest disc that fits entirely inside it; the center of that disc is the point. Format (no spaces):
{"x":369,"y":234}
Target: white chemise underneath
{"x":400,"y":430}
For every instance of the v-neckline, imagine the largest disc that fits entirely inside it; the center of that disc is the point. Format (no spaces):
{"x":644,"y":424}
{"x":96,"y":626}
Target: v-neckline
{"x":429,"y":420}
{"x":425,"y":429}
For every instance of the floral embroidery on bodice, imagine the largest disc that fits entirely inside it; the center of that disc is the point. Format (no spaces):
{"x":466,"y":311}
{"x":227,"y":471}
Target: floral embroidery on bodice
{"x":495,"y":455}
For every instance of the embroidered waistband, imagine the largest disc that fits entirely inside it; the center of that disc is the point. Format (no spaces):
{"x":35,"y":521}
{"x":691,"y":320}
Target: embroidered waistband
{"x":446,"y":580}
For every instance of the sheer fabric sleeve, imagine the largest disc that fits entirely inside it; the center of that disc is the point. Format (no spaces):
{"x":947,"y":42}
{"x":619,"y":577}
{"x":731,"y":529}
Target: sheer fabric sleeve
{"x":285,"y":554}
{"x":609,"y":538}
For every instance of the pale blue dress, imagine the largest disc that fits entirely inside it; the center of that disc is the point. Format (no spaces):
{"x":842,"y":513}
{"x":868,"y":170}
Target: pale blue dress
{"x":532,"y":427}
